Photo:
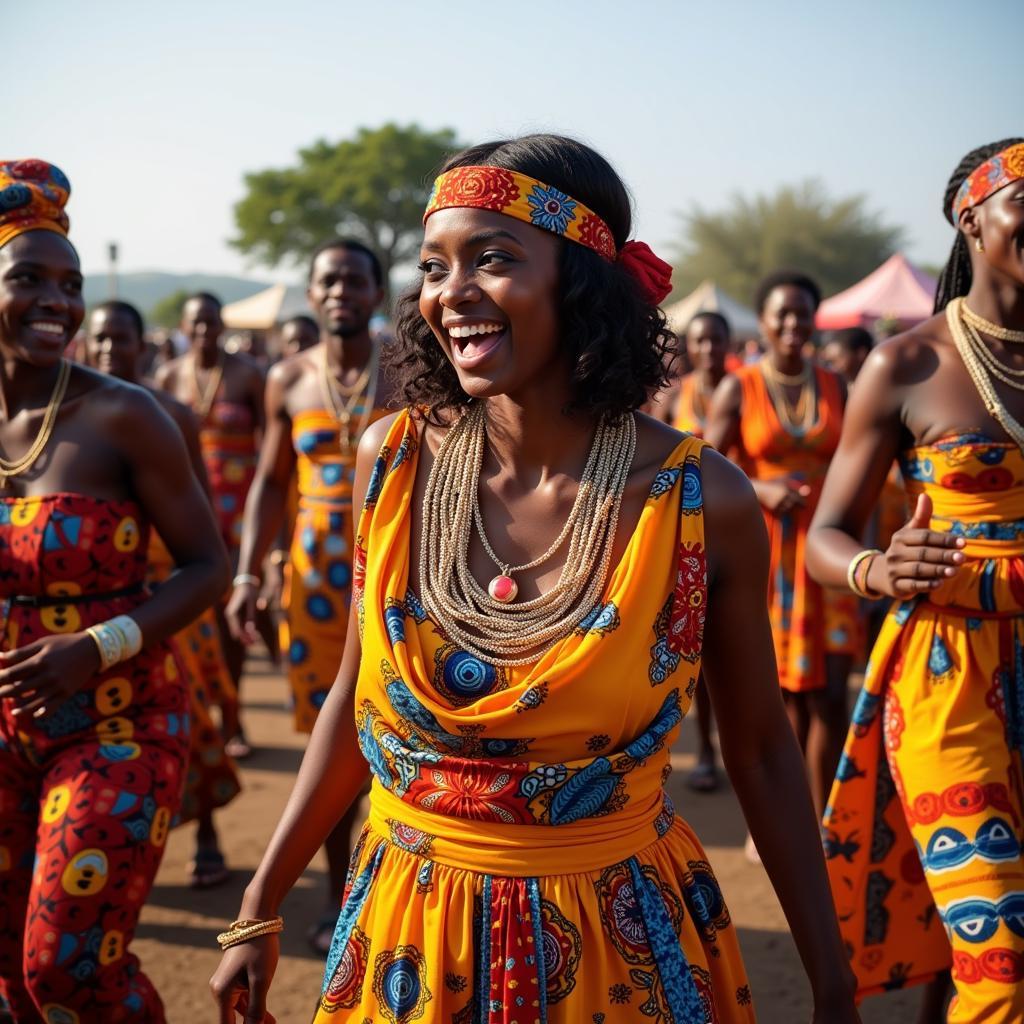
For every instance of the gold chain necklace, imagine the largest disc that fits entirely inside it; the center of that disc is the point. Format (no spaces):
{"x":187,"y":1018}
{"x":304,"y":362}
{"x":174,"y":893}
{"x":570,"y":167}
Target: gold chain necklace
{"x":485,"y":622}
{"x":977,"y":370}
{"x":343,"y":399}
{"x":979,"y":323}
{"x":797,"y":419}
{"x":206,"y":395}
{"x":15,"y":467}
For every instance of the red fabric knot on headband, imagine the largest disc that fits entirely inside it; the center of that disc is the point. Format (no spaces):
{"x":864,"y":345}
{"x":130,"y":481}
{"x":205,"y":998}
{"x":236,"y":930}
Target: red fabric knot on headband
{"x":652,"y":274}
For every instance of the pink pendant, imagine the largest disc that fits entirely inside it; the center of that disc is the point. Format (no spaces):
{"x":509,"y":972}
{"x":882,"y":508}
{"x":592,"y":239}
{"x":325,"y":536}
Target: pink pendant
{"x":502,"y":589}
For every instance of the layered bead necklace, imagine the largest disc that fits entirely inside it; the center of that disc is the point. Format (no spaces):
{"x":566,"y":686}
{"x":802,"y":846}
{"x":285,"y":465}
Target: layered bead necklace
{"x":796,"y":418}
{"x":342,"y":399}
{"x":486,"y":622}
{"x":982,"y":365}
{"x":15,"y":467}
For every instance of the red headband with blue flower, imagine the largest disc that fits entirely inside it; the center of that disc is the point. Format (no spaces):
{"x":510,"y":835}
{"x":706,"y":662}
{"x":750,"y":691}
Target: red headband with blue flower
{"x":546,"y":207}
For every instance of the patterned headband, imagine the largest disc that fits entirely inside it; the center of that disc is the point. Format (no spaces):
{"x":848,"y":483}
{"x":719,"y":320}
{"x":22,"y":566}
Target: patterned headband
{"x":1001,"y":170}
{"x":32,"y":198}
{"x":544,"y":206}
{"x":525,"y":198}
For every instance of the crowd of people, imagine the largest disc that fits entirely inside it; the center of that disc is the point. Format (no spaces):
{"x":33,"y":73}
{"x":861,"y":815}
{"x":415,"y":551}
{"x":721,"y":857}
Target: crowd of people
{"x":499,"y":555}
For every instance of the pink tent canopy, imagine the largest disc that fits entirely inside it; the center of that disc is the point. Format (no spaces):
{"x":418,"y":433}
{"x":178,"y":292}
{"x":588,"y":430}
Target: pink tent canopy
{"x":897,"y":290}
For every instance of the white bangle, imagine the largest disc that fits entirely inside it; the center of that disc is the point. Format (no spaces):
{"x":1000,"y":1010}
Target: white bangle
{"x":117,"y":640}
{"x":245,"y":578}
{"x":131,"y":634}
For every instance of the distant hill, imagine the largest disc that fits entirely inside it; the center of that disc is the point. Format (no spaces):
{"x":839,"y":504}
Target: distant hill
{"x":147,"y":288}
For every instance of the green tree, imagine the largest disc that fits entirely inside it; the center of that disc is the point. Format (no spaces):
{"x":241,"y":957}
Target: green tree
{"x":837,"y":242}
{"x":372,"y":187}
{"x":167,"y":312}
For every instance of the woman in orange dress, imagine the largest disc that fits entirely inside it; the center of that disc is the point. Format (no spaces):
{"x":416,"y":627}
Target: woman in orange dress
{"x":783,"y":415}
{"x":93,"y":710}
{"x":925,"y":825}
{"x":520,"y":861}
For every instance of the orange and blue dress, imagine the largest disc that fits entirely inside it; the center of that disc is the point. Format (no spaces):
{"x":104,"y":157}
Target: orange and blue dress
{"x":808,"y":622}
{"x":521,"y":861}
{"x":318,"y":576}
{"x":87,"y":792}
{"x":923,"y":832}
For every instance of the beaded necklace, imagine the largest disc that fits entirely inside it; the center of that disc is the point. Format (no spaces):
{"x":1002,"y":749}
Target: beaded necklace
{"x":486,"y":622}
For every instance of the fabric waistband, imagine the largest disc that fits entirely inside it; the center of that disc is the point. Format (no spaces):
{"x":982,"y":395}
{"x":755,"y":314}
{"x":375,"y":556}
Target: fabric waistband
{"x":520,"y":850}
{"x":56,"y":600}
{"x":958,"y":611}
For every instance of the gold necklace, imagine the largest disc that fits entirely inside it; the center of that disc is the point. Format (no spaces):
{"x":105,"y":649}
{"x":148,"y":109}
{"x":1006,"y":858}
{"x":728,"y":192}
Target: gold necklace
{"x":797,"y":418}
{"x":204,"y":396}
{"x":343,"y":399}
{"x":976,"y":369}
{"x":485,"y":622}
{"x":15,"y":467}
{"x":794,"y":380}
{"x":979,"y":323}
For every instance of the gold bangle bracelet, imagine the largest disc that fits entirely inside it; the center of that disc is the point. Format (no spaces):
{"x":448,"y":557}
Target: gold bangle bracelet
{"x":246,"y":929}
{"x":851,"y":574}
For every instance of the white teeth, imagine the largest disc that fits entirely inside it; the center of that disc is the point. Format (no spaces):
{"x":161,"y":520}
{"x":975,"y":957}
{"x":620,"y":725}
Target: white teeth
{"x":47,"y":328}
{"x":468,"y":332}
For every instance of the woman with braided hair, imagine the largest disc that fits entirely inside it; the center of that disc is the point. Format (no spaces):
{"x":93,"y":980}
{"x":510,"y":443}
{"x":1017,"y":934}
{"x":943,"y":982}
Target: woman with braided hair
{"x":923,"y":832}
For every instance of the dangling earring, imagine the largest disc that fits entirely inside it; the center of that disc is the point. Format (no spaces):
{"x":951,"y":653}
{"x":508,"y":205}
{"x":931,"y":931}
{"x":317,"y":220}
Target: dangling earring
{"x":979,"y":245}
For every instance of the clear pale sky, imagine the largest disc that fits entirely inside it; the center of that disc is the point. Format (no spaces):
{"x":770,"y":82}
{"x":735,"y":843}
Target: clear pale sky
{"x":155,"y":111}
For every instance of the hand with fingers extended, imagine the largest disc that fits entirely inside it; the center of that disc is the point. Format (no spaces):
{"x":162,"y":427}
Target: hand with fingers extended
{"x":241,"y":982}
{"x":919,"y":559}
{"x":240,"y":612}
{"x":781,"y":495}
{"x":39,"y":677}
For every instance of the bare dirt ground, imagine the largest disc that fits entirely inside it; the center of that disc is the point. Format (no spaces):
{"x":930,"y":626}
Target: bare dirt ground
{"x":176,"y":935}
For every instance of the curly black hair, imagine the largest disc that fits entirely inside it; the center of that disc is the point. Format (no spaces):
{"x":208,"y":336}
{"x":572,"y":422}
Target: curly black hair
{"x":955,"y":279}
{"x":617,"y":342}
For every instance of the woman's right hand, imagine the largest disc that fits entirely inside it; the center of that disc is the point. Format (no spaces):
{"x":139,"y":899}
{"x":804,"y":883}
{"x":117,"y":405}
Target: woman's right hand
{"x":241,"y":982}
{"x":240,"y":613}
{"x":919,"y":559}
{"x":781,"y":495}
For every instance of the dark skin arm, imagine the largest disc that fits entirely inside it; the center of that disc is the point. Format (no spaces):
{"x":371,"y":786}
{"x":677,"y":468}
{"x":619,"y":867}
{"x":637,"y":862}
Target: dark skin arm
{"x":266,"y":504}
{"x":919,"y":559}
{"x":331,"y":776}
{"x":39,"y":677}
{"x":759,"y":749}
{"x":723,"y":433}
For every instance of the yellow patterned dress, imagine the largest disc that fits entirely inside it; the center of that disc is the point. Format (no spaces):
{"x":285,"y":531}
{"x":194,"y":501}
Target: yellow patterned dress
{"x":522,"y":862}
{"x":924,"y":830}
{"x":318,"y":577}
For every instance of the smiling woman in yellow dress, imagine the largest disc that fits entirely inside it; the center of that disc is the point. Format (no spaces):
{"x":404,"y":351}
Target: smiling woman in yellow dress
{"x":540,"y":573}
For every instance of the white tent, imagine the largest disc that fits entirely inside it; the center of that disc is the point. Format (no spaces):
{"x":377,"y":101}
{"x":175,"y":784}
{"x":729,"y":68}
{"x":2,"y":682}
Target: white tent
{"x":707,"y":297}
{"x":262,"y":311}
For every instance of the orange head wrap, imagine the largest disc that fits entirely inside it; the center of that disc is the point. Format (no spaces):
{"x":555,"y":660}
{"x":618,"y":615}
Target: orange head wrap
{"x":32,"y":198}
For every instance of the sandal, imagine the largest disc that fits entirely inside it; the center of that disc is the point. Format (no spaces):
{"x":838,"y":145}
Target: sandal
{"x":320,"y":935}
{"x":208,"y":869}
{"x":703,"y":778}
{"x":237,"y":748}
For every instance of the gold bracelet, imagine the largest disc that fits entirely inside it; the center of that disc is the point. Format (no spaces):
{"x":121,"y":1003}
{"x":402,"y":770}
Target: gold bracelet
{"x":246,"y":929}
{"x":851,"y":574}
